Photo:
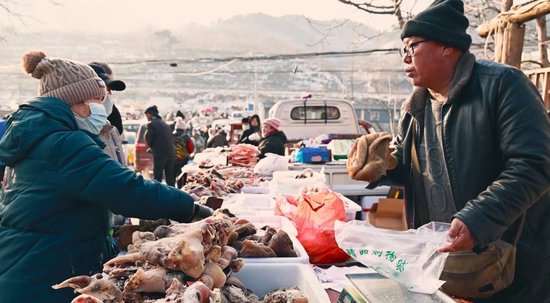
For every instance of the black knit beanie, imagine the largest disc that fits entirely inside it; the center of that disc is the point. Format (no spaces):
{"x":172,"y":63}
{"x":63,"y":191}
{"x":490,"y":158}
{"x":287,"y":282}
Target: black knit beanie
{"x":444,"y":22}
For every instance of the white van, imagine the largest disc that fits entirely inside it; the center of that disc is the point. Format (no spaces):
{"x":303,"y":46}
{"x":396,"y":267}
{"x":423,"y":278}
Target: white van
{"x":308,"y":118}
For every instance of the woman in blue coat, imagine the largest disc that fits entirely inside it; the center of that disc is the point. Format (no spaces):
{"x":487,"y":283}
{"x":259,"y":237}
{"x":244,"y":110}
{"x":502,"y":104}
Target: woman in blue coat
{"x":54,"y":218}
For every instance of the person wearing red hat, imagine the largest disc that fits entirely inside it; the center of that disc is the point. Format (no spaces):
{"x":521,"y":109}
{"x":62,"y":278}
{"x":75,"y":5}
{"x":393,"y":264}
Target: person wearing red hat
{"x":273,"y":140}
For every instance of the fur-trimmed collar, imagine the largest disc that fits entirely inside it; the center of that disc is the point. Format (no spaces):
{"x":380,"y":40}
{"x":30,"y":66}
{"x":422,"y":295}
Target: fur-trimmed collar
{"x":415,"y":103}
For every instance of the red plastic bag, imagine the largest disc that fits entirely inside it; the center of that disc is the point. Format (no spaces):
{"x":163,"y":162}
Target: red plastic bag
{"x":285,"y":205}
{"x":314,"y":219}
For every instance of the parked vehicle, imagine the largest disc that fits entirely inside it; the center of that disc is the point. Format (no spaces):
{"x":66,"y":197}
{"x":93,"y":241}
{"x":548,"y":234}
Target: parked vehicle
{"x":308,"y":118}
{"x":129,"y":146}
{"x":132,"y":125}
{"x":143,"y":161}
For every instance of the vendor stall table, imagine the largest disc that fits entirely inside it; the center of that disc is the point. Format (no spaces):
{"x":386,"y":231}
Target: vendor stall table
{"x":339,"y":181}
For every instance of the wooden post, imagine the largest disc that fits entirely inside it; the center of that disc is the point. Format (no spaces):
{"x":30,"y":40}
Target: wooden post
{"x":545,"y":91}
{"x":542,"y":39}
{"x":513,"y":44}
{"x":541,"y":79}
{"x":499,"y":43}
{"x":521,"y":15}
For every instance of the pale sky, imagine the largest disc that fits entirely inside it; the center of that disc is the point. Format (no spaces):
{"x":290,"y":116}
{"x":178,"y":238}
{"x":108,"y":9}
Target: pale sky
{"x":125,"y":15}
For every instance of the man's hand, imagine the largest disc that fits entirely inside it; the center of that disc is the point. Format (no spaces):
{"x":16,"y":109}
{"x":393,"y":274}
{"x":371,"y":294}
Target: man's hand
{"x":463,"y":238}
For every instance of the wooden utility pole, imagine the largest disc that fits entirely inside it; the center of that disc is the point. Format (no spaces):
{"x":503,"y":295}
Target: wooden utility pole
{"x":509,"y":29}
{"x":542,"y":39}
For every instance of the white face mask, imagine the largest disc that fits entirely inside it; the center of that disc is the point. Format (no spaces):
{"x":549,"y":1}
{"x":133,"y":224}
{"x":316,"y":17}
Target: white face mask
{"x":108,"y":104}
{"x":95,"y":122}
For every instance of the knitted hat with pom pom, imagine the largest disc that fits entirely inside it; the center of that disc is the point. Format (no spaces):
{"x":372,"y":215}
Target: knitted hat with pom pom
{"x":71,"y":81}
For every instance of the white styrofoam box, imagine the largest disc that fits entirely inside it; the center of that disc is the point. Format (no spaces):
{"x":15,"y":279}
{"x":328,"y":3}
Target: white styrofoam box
{"x":277,"y":222}
{"x":302,"y":256}
{"x":285,"y":182}
{"x":291,"y":174}
{"x":250,"y":204}
{"x":255,"y":189}
{"x":350,"y":206}
{"x":265,"y":278}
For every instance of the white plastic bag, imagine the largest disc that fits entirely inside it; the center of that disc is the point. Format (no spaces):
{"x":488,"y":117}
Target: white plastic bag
{"x":270,"y":164}
{"x":409,"y":257}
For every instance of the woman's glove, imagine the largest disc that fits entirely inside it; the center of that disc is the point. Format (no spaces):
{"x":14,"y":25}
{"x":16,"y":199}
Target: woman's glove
{"x":254,"y":137}
{"x":201,"y":211}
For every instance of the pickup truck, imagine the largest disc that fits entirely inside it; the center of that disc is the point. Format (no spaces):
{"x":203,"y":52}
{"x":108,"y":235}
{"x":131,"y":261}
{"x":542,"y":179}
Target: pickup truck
{"x":309,"y":117}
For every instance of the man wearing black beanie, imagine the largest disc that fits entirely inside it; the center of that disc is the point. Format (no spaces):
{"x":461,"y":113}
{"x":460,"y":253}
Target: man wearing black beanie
{"x":443,"y":21}
{"x":473,"y":149}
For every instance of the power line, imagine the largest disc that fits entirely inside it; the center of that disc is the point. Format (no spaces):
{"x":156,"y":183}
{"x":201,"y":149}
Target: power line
{"x":341,"y":71}
{"x":258,"y":57}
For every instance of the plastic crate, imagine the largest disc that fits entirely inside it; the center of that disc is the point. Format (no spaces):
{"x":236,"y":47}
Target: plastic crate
{"x":277,"y":222}
{"x":265,"y":278}
{"x":250,"y":204}
{"x":351,"y":207}
{"x":285,"y":182}
{"x":312,"y":155}
{"x":301,"y":258}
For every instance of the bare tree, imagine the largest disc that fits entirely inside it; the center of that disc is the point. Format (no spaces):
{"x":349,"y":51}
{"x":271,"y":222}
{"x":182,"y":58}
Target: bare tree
{"x":479,"y":12}
{"x":379,"y":7}
{"x":11,"y":18}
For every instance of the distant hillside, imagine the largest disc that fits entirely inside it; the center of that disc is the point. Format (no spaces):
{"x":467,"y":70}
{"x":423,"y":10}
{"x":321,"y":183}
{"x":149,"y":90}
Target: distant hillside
{"x":141,"y":58}
{"x":252,"y":34}
{"x":261,"y":33}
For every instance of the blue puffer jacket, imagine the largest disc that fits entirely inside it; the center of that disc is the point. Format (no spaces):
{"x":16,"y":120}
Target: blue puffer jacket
{"x":54,"y":219}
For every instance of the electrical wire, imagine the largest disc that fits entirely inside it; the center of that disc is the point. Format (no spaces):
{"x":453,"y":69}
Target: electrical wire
{"x":258,"y":57}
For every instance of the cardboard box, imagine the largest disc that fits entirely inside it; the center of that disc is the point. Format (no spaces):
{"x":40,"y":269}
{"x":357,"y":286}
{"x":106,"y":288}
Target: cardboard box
{"x":388,"y":214}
